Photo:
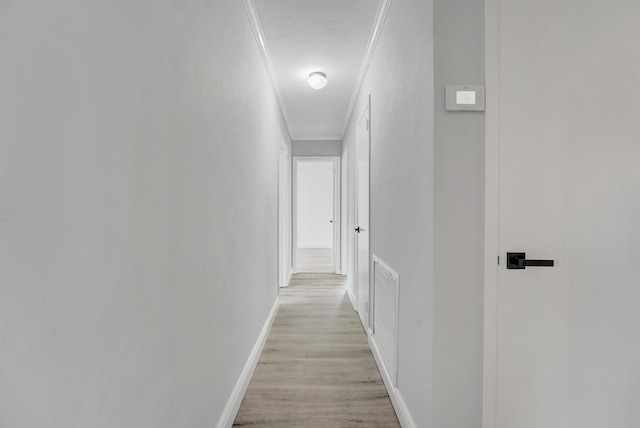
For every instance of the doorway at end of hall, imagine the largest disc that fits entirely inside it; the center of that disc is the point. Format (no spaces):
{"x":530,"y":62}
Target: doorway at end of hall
{"x":316,"y":221}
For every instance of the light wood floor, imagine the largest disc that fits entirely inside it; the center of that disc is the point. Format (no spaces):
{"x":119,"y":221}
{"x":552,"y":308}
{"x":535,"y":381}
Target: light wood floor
{"x":315,"y":260}
{"x":316,"y":369}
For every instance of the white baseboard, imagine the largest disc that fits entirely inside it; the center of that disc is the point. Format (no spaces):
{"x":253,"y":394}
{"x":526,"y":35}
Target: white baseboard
{"x":402,"y":411}
{"x":233,"y":405}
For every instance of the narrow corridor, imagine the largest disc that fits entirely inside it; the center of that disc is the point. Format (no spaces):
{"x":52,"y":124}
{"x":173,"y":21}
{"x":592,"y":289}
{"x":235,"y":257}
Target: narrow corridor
{"x":316,"y":369}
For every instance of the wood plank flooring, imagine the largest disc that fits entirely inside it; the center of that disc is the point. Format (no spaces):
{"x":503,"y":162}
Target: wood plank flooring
{"x":316,"y":369}
{"x":315,"y":260}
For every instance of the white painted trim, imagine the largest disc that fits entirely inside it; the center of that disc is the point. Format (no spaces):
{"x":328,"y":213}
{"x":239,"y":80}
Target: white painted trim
{"x":344,"y":215}
{"x":400,"y":406}
{"x":352,"y":297}
{"x":337,"y":201}
{"x":492,"y":213}
{"x":294,"y":216}
{"x":381,"y":17}
{"x":289,"y":277}
{"x":233,"y":405}
{"x":254,"y":21}
{"x":337,"y":216}
{"x":284,"y":217}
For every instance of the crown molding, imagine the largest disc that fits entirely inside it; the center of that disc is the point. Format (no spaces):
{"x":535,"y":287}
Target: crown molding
{"x":381,"y":17}
{"x":254,"y":21}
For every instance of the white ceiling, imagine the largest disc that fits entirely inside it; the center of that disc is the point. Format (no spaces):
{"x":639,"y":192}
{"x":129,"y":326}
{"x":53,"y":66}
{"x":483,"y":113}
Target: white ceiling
{"x":303,"y":36}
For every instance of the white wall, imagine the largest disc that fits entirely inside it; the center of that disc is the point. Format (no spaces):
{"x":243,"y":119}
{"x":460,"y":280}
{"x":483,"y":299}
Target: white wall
{"x":314,"y":199}
{"x":138,"y":226}
{"x":400,"y":81}
{"x":459,"y":219}
{"x":316,"y":147}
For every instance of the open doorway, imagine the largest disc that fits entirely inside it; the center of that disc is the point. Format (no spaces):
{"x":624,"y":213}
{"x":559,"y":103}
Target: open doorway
{"x":316,"y":221}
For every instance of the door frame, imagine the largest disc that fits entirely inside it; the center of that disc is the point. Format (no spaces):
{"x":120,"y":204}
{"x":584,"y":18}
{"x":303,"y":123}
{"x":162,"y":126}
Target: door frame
{"x":337,"y":219}
{"x":492,"y":213}
{"x":285,"y":266}
{"x":344,"y":211}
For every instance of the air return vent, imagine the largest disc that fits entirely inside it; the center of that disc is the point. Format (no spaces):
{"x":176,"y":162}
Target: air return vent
{"x":385,"y":316}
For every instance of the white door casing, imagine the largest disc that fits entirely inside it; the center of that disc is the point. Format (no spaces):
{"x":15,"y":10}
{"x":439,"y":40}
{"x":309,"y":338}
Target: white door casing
{"x":363,"y":256}
{"x":344,"y":211}
{"x":284,"y":218}
{"x":562,"y":343}
{"x":337,"y":216}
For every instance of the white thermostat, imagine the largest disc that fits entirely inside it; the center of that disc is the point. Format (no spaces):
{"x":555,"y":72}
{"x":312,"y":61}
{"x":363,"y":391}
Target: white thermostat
{"x":464,"y":98}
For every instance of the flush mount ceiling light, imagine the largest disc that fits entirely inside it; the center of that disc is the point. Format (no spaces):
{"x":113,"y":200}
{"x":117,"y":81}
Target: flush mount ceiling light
{"x":317,"y":80}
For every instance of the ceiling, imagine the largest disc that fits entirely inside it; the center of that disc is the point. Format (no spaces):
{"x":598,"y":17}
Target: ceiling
{"x":302,"y":36}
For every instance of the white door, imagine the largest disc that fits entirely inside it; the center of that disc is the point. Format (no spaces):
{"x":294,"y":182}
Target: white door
{"x":568,"y":336}
{"x":362,"y":218}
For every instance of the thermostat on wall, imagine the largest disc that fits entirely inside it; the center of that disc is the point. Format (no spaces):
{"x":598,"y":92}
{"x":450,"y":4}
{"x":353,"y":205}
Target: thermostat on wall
{"x":465,"y":98}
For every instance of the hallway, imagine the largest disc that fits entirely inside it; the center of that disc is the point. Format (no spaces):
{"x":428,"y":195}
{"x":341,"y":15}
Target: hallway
{"x":487,"y":154}
{"x":316,"y":369}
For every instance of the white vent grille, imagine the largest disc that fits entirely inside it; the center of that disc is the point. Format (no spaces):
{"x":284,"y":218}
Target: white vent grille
{"x":385,"y":316}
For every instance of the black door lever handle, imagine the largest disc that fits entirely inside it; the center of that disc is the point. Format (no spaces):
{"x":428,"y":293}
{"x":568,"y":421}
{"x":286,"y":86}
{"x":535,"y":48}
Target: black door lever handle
{"x":519,"y":261}
{"x":357,"y":229}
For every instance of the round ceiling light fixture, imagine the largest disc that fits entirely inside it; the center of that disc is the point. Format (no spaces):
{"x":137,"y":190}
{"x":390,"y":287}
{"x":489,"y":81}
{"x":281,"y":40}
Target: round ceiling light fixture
{"x":317,"y":80}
